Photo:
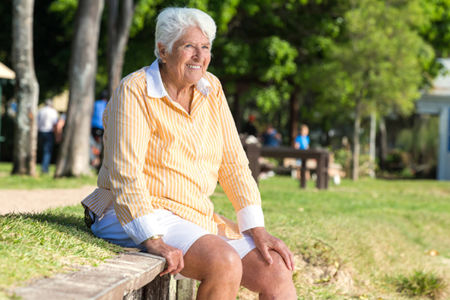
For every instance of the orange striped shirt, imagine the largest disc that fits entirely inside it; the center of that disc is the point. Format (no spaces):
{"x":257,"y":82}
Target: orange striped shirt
{"x":158,"y":156}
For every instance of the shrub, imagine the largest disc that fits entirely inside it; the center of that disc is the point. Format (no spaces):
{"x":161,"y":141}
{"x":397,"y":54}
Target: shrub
{"x":420,"y":284}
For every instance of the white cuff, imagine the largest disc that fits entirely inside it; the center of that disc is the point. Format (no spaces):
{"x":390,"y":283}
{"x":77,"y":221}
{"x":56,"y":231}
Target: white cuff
{"x":143,"y":228}
{"x":250,"y":217}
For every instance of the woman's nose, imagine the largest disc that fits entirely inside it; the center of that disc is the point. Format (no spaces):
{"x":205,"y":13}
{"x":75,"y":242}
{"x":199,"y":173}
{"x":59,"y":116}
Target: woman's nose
{"x":197,"y":53}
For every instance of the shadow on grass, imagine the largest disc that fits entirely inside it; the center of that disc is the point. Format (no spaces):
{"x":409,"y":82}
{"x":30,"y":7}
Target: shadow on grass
{"x":70,"y":222}
{"x":62,"y":221}
{"x":66,"y":220}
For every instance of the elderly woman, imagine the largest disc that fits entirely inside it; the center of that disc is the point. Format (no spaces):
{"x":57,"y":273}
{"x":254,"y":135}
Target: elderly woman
{"x":169,"y":137}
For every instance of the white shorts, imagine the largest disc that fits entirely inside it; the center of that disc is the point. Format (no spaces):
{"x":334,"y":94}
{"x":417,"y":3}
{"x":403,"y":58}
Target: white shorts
{"x":180,"y":233}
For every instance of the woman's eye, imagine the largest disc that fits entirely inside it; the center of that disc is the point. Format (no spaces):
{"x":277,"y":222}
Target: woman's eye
{"x":188,"y":46}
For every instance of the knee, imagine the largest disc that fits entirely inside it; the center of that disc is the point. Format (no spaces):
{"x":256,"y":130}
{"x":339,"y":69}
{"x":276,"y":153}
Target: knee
{"x":276,"y":278}
{"x":227,"y":264}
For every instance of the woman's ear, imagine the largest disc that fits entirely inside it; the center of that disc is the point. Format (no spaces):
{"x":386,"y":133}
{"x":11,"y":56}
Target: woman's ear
{"x":162,"y":52}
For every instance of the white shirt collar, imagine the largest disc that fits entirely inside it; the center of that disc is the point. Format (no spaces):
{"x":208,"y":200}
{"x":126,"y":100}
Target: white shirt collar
{"x":155,"y":87}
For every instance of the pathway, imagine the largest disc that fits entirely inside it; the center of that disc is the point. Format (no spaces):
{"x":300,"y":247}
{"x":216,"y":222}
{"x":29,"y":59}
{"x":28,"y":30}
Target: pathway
{"x":37,"y":200}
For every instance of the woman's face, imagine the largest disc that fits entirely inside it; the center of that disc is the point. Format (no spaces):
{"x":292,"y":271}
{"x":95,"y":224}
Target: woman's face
{"x":190,"y":57}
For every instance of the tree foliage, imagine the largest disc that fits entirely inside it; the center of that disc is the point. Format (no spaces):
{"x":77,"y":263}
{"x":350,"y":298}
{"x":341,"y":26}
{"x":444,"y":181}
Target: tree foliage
{"x":318,"y":59}
{"x":379,"y":63}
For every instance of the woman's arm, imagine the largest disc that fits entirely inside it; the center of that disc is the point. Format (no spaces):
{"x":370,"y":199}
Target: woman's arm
{"x":235,"y":176}
{"x":127,"y":133}
{"x":128,"y":130}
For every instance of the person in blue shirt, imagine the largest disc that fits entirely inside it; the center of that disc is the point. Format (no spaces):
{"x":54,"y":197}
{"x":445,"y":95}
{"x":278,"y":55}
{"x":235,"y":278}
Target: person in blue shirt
{"x":97,"y":115}
{"x":302,"y":140}
{"x":271,"y":137}
{"x":97,"y":130}
{"x":302,"y":143}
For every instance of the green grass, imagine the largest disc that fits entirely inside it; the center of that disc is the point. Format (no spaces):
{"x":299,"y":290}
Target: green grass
{"x":370,"y":228}
{"x":36,"y":245}
{"x":42,"y":181}
{"x":419,"y":284}
{"x":370,"y":231}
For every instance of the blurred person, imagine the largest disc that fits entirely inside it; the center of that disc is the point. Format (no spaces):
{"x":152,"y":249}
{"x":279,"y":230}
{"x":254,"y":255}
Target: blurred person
{"x":302,"y":140}
{"x":271,"y":137}
{"x":249,"y":126}
{"x":46,"y":121}
{"x":97,"y":130}
{"x":169,"y":137}
{"x":59,"y":127}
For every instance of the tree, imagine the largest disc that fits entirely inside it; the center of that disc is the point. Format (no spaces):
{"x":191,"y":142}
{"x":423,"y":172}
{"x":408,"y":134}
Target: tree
{"x":119,"y":22}
{"x":434,"y":28}
{"x":73,"y":159}
{"x":27,"y":88}
{"x":271,"y":46}
{"x":380,"y":62}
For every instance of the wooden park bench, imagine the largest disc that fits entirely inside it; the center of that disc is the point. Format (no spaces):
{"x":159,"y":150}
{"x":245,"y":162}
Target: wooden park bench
{"x":322,"y":157}
{"x":130,"y":276}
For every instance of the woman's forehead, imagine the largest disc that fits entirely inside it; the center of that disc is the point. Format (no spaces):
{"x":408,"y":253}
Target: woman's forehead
{"x":193,"y":35}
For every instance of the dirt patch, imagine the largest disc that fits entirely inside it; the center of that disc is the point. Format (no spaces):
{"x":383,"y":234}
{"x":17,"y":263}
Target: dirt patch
{"x":37,"y":200}
{"x":317,"y":265}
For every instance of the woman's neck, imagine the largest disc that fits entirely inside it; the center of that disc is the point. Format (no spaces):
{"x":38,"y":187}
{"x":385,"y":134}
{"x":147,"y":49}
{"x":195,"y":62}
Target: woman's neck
{"x":178,"y":92}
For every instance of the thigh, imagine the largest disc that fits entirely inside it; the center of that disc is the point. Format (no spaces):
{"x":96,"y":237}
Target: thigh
{"x":242,"y":246}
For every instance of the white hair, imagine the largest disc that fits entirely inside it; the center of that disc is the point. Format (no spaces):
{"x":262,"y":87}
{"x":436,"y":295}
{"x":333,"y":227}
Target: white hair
{"x":173,"y":21}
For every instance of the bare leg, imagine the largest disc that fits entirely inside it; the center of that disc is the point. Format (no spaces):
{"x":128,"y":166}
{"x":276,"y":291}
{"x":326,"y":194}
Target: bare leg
{"x":270,"y":281}
{"x":217,"y":265}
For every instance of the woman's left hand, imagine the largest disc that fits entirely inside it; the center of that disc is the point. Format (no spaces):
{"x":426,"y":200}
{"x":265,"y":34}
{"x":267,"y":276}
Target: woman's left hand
{"x":265,"y":242}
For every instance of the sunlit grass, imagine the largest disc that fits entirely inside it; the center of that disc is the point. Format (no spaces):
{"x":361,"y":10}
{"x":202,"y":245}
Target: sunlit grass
{"x":374,"y":230}
{"x":36,"y":245}
{"x":41,"y":181}
{"x":419,"y":284}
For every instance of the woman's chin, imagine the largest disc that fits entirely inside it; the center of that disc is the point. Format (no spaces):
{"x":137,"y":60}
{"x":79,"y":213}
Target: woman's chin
{"x":193,"y":78}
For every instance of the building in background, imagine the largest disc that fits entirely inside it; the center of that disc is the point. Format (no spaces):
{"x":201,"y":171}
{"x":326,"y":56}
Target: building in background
{"x":436,"y":101}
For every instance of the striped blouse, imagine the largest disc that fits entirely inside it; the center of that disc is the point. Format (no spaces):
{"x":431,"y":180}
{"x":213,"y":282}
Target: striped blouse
{"x":158,"y":156}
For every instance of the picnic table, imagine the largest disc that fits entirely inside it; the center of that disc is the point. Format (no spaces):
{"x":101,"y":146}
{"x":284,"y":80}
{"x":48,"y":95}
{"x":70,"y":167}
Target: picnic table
{"x":254,"y":151}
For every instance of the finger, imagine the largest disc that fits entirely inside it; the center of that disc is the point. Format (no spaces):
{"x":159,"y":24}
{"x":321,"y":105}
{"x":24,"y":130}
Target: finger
{"x":181,"y":264}
{"x":170,"y":268}
{"x":286,"y":255}
{"x":264,"y":250}
{"x":291,"y":256}
{"x":287,"y":259}
{"x":179,"y":267}
{"x":166,"y":271}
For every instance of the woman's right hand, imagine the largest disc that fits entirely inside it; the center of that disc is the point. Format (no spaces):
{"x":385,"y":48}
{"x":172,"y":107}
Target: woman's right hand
{"x":173,"y":256}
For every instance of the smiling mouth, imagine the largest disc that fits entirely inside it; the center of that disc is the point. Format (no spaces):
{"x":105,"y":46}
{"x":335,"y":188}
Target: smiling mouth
{"x":193,"y":67}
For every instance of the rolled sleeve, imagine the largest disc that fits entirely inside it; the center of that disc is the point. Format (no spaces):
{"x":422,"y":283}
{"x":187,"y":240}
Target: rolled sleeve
{"x":250,"y":217}
{"x":143,"y":228}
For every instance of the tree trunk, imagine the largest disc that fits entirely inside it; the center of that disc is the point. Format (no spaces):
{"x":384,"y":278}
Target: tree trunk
{"x":356,"y":146}
{"x":27,"y":88}
{"x":241,"y":88}
{"x":73,"y":158}
{"x":383,"y":143}
{"x":118,"y":33}
{"x":294,"y":105}
{"x":372,"y":143}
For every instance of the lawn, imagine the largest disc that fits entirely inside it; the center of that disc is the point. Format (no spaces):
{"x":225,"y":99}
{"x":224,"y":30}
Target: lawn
{"x":371,"y":239}
{"x":41,"y":181}
{"x":376,"y":231}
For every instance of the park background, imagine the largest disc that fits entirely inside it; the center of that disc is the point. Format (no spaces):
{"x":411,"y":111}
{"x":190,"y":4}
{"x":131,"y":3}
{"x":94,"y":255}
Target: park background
{"x":351,"y":70}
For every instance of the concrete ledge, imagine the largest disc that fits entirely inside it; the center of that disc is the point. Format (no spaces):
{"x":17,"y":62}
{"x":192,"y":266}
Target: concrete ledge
{"x":122,"y":277}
